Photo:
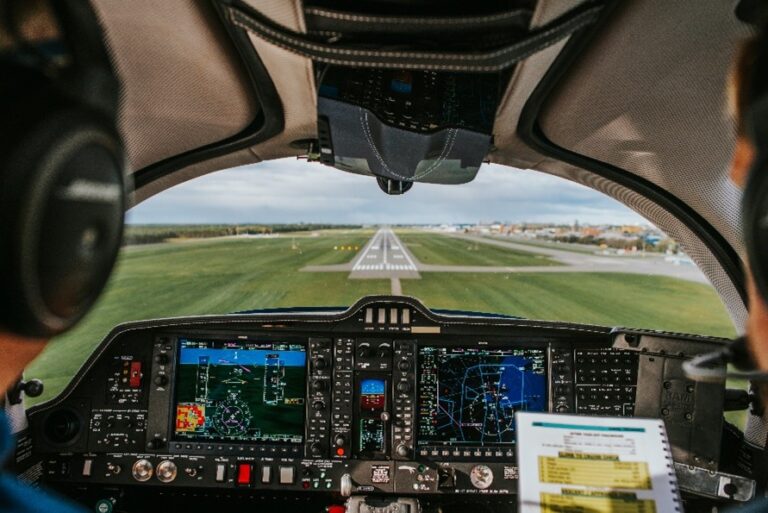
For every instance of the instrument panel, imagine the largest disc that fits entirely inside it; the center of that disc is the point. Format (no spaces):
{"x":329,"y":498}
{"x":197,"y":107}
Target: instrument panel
{"x":387,"y":397}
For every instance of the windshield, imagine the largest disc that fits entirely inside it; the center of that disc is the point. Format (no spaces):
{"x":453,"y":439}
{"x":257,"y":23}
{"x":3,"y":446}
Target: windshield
{"x":289,"y":234}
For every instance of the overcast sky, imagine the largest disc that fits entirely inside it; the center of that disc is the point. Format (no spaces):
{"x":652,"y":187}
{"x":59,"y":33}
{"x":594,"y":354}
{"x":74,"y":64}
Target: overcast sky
{"x":292,"y":191}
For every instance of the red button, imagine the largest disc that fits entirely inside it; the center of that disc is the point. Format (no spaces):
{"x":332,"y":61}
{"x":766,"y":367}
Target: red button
{"x":340,"y":451}
{"x":244,"y":471}
{"x":135,"y":375}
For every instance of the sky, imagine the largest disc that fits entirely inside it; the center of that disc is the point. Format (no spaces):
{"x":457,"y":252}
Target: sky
{"x":294,"y":191}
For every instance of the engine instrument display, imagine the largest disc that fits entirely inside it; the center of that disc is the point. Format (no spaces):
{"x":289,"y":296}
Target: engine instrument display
{"x":469,"y":396}
{"x":240,"y":391}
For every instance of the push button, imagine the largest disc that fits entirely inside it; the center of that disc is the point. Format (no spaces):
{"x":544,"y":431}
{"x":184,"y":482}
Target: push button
{"x":244,"y":471}
{"x":87,"y":467}
{"x":221,"y":472}
{"x":287,"y":475}
{"x":266,"y":474}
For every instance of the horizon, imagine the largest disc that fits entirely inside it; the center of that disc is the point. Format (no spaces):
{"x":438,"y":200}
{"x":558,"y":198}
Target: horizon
{"x":292,"y":191}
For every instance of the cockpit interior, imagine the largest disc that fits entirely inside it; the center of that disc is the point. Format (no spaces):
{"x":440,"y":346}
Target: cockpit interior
{"x":356,"y":363}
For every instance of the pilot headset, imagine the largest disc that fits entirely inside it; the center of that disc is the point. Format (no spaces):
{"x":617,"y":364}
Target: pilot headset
{"x":62,"y":198}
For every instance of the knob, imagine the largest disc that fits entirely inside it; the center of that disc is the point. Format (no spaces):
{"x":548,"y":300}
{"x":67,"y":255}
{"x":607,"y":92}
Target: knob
{"x":114,"y":468}
{"x":481,"y":477}
{"x":161,"y":358}
{"x":404,"y":387}
{"x":166,"y":471}
{"x":33,"y":387}
{"x":318,"y":405}
{"x":316,"y":448}
{"x":345,"y":485}
{"x":402,"y":451}
{"x":339,"y":441}
{"x":161,"y":380}
{"x":142,"y":470}
{"x":191,"y":471}
{"x":384,"y":352}
{"x":404,"y":365}
{"x":561,"y":408}
{"x":364,"y":352}
{"x":318,"y":385}
{"x":320,"y":363}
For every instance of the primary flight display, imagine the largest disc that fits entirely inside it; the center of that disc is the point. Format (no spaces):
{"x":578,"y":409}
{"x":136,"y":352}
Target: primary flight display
{"x":240,"y":391}
{"x":469,"y":396}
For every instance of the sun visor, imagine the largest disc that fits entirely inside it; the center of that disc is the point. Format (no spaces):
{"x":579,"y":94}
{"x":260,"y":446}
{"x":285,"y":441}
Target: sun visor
{"x":354,"y":139}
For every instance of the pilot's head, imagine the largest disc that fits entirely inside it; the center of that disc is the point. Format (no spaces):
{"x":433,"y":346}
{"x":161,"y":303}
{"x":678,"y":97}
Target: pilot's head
{"x":748,"y":83}
{"x":58,"y":144}
{"x":33,"y":22}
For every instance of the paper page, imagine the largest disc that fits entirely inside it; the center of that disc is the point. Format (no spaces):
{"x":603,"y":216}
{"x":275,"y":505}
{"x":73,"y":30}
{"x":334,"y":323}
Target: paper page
{"x":594,"y":465}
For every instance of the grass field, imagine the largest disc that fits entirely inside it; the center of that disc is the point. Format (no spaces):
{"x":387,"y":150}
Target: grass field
{"x":442,"y":250}
{"x":562,"y":246}
{"x":630,"y":300}
{"x":227,"y":275}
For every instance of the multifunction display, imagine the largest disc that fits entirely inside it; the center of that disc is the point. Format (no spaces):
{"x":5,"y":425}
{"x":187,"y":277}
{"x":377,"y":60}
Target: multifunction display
{"x":240,"y":391}
{"x":469,"y":396}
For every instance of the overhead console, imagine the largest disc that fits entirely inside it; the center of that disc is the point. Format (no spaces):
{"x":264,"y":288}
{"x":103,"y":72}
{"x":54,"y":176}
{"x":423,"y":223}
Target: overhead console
{"x":384,"y":398}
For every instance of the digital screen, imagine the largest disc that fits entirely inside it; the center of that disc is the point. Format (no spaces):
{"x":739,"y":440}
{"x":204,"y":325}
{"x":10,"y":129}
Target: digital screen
{"x":469,"y":396}
{"x":372,"y":394}
{"x":371,"y":435}
{"x":240,"y":391}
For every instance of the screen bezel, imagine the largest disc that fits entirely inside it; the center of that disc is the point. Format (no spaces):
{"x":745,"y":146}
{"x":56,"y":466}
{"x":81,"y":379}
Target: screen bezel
{"x":544,"y":347}
{"x":238,"y":339}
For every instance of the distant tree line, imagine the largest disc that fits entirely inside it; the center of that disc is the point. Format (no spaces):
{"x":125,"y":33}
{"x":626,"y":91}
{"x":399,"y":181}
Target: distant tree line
{"x":151,"y":234}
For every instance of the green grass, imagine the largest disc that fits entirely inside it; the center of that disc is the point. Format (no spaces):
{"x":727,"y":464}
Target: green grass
{"x":599,"y":298}
{"x":208,"y":277}
{"x":562,"y":246}
{"x":438,"y":249}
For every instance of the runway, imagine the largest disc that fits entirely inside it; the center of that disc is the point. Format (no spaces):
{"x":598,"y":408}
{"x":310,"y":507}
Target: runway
{"x":385,"y":256}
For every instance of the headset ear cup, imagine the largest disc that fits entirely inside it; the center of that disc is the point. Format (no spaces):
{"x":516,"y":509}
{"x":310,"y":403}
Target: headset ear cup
{"x":755,"y":222}
{"x":62,"y":205}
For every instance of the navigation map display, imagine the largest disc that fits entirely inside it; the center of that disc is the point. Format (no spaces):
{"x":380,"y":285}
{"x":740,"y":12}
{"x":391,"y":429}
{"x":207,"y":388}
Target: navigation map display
{"x":469,"y":396}
{"x":240,"y":391}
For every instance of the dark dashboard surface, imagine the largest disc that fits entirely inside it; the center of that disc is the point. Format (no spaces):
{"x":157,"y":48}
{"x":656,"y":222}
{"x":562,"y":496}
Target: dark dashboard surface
{"x":384,"y":398}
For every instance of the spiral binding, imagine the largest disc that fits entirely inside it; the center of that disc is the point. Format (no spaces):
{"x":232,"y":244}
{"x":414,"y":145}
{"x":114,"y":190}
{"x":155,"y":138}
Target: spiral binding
{"x":670,"y":467}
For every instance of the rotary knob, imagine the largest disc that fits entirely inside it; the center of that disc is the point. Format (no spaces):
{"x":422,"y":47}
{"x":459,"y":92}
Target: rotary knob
{"x":318,"y":405}
{"x":402,"y":451}
{"x":142,"y":470}
{"x":166,"y":471}
{"x":403,"y":387}
{"x":318,"y":385}
{"x":481,"y":477}
{"x":320,"y":363}
{"x":404,"y":365}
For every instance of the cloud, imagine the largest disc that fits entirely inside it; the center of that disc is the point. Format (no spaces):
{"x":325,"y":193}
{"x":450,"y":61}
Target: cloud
{"x":292,"y":191}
